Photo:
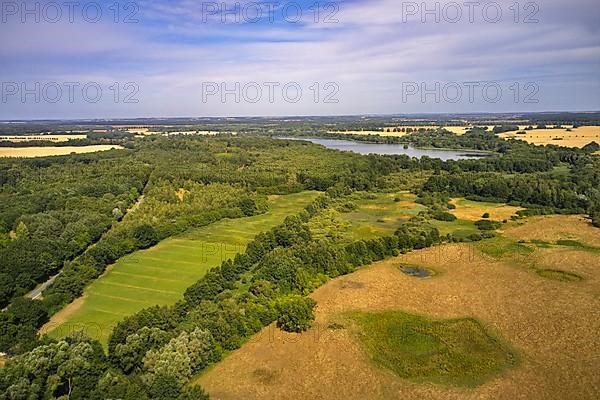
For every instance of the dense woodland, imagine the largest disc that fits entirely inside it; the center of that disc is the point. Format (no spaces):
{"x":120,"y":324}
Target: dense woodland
{"x":78,"y":214}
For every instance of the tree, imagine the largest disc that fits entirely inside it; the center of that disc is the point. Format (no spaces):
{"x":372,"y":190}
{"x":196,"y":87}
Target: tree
{"x":145,"y":236}
{"x":21,"y":231}
{"x":296,"y":313}
{"x":130,"y":355}
{"x":180,"y":358}
{"x":248,"y":206}
{"x":28,"y":312}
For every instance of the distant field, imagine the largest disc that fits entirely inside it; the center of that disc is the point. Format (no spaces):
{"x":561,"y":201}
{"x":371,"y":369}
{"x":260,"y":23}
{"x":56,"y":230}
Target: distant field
{"x":531,"y":313}
{"x":160,"y":275}
{"x":51,"y":138}
{"x":578,"y":137}
{"x":474,"y":210}
{"x":32,"y":152}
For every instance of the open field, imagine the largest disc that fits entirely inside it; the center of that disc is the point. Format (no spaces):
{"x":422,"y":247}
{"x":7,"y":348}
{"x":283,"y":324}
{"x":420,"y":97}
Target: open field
{"x":50,"y":138}
{"x":381,"y":215}
{"x":578,"y":137}
{"x":31,"y":152}
{"x":160,"y":275}
{"x":376,"y":215}
{"x":556,"y":342}
{"x":474,"y":210}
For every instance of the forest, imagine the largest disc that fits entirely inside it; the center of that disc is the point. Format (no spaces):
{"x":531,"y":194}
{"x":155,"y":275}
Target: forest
{"x":73,"y":216}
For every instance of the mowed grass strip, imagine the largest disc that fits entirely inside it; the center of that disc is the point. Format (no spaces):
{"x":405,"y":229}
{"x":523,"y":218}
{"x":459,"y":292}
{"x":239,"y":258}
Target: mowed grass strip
{"x":457,"y":352}
{"x":160,"y":275}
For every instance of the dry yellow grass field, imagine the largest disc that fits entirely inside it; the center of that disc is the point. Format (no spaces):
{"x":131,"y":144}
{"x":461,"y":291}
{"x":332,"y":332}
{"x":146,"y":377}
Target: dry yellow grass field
{"x":473,"y":211}
{"x":31,"y":152}
{"x":556,"y":227}
{"x":578,"y":137}
{"x":50,"y":138}
{"x":553,"y":325}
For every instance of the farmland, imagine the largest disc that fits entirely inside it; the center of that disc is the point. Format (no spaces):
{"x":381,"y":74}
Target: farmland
{"x":576,"y":137}
{"x":32,"y":152}
{"x":567,"y":136}
{"x":37,"y":137}
{"x":555,"y":342}
{"x":161,"y":274}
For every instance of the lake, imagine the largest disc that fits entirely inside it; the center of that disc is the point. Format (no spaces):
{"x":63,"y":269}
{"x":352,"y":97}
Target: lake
{"x":394,"y":149}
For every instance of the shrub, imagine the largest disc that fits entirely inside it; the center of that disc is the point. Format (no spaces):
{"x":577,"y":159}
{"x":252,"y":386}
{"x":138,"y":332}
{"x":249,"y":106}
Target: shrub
{"x":443,"y":216}
{"x":145,"y":236}
{"x":486,"y":225}
{"x":596,"y":219}
{"x":296,"y":313}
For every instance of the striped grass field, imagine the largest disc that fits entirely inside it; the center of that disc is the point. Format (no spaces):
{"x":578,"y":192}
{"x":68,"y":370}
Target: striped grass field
{"x":160,"y":275}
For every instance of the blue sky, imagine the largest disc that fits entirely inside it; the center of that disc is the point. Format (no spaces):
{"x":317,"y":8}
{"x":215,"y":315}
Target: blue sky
{"x":174,"y":58}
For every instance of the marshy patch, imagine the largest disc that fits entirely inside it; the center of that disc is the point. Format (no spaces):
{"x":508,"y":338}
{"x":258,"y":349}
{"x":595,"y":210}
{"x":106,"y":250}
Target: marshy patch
{"x":416,"y":271}
{"x":457,"y":352}
{"x":558,"y":275}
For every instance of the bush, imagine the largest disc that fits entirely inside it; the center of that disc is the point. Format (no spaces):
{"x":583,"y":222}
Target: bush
{"x":486,"y":225}
{"x":596,"y":220}
{"x":145,"y":236}
{"x":443,"y":216}
{"x":296,"y":313}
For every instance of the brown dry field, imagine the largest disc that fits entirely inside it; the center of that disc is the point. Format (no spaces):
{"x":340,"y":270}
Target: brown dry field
{"x":51,"y":138}
{"x":556,"y":227}
{"x":498,"y":212}
{"x":579,"y":137}
{"x":553,"y":325}
{"x":31,"y":152}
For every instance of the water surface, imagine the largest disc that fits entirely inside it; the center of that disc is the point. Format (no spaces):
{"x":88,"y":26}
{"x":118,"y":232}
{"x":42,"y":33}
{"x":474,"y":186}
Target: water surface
{"x":394,"y":149}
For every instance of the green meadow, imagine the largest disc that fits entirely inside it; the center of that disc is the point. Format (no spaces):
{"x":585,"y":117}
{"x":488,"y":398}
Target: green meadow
{"x":459,"y":352}
{"x":160,"y":275}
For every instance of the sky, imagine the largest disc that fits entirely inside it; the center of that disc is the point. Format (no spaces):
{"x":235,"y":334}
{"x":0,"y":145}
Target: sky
{"x":185,"y":58}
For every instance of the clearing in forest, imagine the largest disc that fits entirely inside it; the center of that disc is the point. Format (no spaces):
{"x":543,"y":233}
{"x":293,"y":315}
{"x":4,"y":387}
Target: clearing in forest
{"x":474,"y":210}
{"x":531,"y":315}
{"x":160,"y":275}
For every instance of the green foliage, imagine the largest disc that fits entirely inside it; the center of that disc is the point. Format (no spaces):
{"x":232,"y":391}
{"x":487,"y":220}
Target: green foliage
{"x":296,"y":313}
{"x":440,"y":215}
{"x":596,"y":219}
{"x":130,"y":355}
{"x":487,"y":225}
{"x":71,"y":367}
{"x":179,"y":358}
{"x":145,"y":236}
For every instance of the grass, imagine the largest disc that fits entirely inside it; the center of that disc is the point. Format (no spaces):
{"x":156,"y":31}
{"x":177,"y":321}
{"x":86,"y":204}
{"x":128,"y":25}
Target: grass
{"x":523,"y":254}
{"x":380,"y":215}
{"x":458,"y":352}
{"x":558,"y":275}
{"x":500,"y":246}
{"x":160,"y":275}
